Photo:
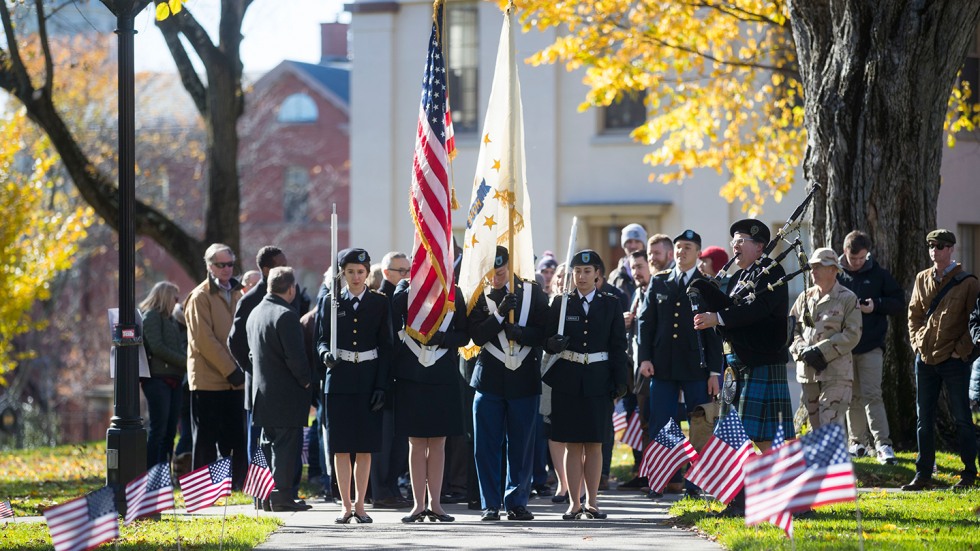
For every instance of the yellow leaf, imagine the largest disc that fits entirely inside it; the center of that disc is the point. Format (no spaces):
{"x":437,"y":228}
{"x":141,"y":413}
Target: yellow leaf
{"x":176,"y":6}
{"x":163,"y":12}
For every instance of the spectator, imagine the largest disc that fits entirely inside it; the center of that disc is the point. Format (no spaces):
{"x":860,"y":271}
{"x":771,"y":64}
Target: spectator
{"x":249,"y":279}
{"x":713,"y":259}
{"x":632,"y":238}
{"x":546,"y":270}
{"x":879,"y":296}
{"x":375,"y":277}
{"x":660,"y":253}
{"x":216,"y":382}
{"x":281,"y":392}
{"x":828,"y":326}
{"x":166,"y":347}
{"x":637,"y":399}
{"x":942,"y":299}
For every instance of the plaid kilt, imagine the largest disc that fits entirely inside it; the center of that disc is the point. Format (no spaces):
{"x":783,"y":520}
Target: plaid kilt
{"x":763,"y":395}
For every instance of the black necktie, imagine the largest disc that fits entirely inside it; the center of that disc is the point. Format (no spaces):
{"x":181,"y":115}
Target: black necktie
{"x":683,"y":281}
{"x":355,"y":302}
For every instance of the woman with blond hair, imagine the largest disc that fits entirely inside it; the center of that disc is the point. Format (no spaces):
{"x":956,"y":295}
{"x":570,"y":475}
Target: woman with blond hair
{"x":166,"y":349}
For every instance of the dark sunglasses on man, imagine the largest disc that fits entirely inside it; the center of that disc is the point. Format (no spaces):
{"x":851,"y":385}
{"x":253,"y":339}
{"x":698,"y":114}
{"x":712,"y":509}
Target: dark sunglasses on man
{"x":938,"y":246}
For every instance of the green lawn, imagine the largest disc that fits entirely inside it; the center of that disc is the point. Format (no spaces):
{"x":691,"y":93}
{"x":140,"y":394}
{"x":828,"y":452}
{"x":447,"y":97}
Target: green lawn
{"x":36,"y":479}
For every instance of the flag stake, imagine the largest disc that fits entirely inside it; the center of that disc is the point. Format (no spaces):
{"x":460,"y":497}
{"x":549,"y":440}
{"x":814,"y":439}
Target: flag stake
{"x":857,"y":515}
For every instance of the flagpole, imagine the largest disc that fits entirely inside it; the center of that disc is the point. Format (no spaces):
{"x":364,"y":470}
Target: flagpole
{"x":224,"y":515}
{"x":511,"y":184}
{"x":857,"y":515}
{"x":173,"y":484}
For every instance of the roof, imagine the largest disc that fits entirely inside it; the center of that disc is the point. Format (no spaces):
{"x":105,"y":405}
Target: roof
{"x":334,"y":76}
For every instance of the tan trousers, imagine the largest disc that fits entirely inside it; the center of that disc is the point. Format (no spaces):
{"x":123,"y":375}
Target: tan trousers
{"x":826,"y":402}
{"x":867,"y":410}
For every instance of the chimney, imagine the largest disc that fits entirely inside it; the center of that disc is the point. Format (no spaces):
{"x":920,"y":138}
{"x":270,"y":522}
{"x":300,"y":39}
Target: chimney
{"x":333,"y":42}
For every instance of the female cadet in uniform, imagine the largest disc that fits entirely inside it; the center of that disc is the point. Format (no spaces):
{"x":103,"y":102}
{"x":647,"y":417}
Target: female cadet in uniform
{"x":589,"y":374}
{"x":428,"y":400}
{"x":356,"y":377}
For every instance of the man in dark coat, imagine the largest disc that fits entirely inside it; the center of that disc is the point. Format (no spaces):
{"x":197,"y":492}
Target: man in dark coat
{"x":281,"y":382}
{"x":506,"y":401}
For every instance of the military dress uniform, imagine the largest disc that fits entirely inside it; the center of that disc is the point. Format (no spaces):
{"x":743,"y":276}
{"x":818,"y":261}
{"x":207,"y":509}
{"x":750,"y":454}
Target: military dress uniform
{"x":589,"y":370}
{"x":428,"y":402}
{"x":506,"y":400}
{"x":363,"y":355}
{"x":667,"y":338}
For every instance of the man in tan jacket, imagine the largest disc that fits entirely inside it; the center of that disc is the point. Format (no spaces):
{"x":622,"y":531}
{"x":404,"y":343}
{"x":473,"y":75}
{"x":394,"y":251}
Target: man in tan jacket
{"x":216,"y":382}
{"x":828,"y":327}
{"x":941,"y":302}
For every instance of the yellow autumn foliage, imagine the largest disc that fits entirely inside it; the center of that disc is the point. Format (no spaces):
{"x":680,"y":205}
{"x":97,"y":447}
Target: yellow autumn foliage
{"x":39,"y":235}
{"x":721,"y":80}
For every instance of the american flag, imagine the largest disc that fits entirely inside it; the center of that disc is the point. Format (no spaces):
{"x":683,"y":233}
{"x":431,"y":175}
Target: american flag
{"x":305,"y":454}
{"x":85,"y":522}
{"x":151,"y":493}
{"x":204,"y":486}
{"x":719,"y":470}
{"x":665,"y":454}
{"x":619,"y":417}
{"x":812,"y":471}
{"x":432,"y":292}
{"x":6,"y":511}
{"x":259,"y":482}
{"x":783,"y":520}
{"x":633,"y":437}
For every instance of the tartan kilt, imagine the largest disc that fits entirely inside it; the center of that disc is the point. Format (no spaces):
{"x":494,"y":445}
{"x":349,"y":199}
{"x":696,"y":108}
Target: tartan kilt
{"x":763,"y":395}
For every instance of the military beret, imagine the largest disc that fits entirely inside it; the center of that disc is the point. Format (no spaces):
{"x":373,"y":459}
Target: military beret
{"x":755,"y":229}
{"x":689,"y":235}
{"x":354,"y":256}
{"x":587,"y":257}
{"x":502,"y":257}
{"x":941,"y":236}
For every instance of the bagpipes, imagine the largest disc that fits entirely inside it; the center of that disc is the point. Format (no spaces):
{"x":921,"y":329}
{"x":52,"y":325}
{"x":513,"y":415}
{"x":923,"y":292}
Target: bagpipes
{"x":748,"y":288}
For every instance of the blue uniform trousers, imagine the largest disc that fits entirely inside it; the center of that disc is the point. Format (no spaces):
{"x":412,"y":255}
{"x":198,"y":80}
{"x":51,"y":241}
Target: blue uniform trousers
{"x":496,"y":421}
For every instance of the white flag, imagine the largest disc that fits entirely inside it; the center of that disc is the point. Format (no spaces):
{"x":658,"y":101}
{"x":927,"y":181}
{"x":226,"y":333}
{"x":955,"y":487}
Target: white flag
{"x":500,"y":187}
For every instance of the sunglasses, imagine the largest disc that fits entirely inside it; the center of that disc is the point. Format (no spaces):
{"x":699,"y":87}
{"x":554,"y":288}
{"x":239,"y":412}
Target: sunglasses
{"x":402,"y":271}
{"x":223,"y":264}
{"x":938,"y":246}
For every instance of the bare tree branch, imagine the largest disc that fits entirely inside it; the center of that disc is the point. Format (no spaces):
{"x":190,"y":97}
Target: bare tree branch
{"x":42,"y":29}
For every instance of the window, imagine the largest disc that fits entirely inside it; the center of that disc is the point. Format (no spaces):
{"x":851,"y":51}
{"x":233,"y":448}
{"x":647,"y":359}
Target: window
{"x":971,"y":68}
{"x":967,"y":250}
{"x":624,"y":114}
{"x":295,"y":194}
{"x":298,"y":108}
{"x":463,"y":43}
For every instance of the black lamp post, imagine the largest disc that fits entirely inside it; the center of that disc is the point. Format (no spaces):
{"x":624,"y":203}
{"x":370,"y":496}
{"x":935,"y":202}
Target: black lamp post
{"x":126,"y":437}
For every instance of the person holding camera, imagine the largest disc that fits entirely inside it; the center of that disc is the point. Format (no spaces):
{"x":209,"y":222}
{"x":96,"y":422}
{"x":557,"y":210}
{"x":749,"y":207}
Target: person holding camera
{"x":879,"y":296}
{"x":828,"y":327}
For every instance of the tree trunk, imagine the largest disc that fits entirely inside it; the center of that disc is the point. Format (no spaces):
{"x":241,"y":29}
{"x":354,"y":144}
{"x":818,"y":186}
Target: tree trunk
{"x":877,"y":77}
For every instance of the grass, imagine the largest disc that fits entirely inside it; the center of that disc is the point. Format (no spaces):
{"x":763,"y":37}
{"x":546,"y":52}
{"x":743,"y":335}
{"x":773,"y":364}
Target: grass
{"x":39,"y":478}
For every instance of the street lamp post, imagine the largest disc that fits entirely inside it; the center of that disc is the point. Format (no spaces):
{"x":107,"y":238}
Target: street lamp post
{"x":126,"y":437}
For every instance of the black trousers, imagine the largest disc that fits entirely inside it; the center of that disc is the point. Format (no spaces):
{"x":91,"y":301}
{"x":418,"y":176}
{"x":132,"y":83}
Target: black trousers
{"x":388,"y":464}
{"x":218,"y":423}
{"x":283,"y":446}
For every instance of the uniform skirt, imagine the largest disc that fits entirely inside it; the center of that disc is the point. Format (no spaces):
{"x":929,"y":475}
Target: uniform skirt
{"x":351,"y":426}
{"x":576,"y":418}
{"x":763,"y":397}
{"x":424,"y":410}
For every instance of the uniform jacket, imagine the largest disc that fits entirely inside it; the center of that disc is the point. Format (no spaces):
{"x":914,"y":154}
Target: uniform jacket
{"x":360,"y":330}
{"x":281,"y":378}
{"x":945,"y":331}
{"x":667,"y":337}
{"x":836,"y":331}
{"x":758,"y":331}
{"x":489,"y":374}
{"x":601,"y":330}
{"x":209,"y":319}
{"x":166,"y":341}
{"x":446,"y":369}
{"x":874,"y":282}
{"x":238,"y":337}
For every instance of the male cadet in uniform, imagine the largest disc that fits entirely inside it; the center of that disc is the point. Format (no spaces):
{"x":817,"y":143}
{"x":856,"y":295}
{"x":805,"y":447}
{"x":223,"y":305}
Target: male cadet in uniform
{"x":668,"y":348}
{"x":507,"y":380}
{"x":756,"y":332}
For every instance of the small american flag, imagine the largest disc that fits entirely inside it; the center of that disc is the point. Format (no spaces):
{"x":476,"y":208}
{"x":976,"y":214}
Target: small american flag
{"x":85,"y":522}
{"x":633,"y":437}
{"x":151,"y":493}
{"x":783,"y":520}
{"x":204,"y":486}
{"x":619,"y":417}
{"x":305,"y":454}
{"x":812,"y":471}
{"x":259,"y":482}
{"x":6,"y":511}
{"x":719,"y":470}
{"x":666,"y":453}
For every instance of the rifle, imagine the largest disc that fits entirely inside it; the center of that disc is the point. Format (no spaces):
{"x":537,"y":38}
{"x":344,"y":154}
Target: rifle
{"x":334,"y":279}
{"x":548,"y":360}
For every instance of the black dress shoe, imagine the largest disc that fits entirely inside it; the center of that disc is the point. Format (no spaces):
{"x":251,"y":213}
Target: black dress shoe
{"x":543,"y":490}
{"x":392,"y":503}
{"x":436,"y":517}
{"x":560,"y":499}
{"x":595,"y":513}
{"x":363,"y":519}
{"x":919,"y":482}
{"x":654,"y":495}
{"x":637,"y":483}
{"x":474,"y":505}
{"x":417,"y":517}
{"x":519,"y":513}
{"x":266,"y":505}
{"x":572,"y":516}
{"x":490,"y":514}
{"x":344,"y":519}
{"x":453,"y":497}
{"x":966,"y":482}
{"x":290,"y":506}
